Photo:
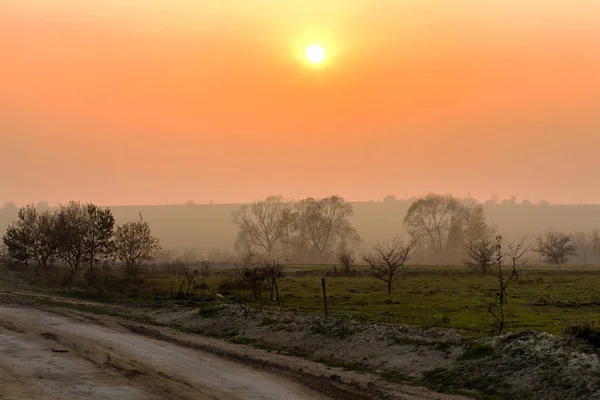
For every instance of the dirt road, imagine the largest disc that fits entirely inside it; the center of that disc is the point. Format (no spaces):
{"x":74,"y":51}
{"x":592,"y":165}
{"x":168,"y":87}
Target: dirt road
{"x":108,"y":363}
{"x":49,"y":352}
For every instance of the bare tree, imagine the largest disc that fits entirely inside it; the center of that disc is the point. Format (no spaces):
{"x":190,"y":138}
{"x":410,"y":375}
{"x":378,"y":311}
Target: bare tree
{"x":582,"y":246}
{"x":594,"y":242}
{"x":435,"y":221}
{"x":516,"y":251}
{"x":387,"y":261}
{"x":325,"y":223}
{"x":264,"y":224}
{"x":204,"y":270}
{"x":254,"y":277}
{"x":479,"y":242}
{"x":346,"y":260}
{"x":189,"y":279}
{"x":134,"y":244}
{"x":555,"y":247}
{"x":497,"y":305}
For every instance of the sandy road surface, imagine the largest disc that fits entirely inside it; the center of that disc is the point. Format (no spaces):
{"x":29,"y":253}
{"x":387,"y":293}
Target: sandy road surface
{"x":105,"y":362}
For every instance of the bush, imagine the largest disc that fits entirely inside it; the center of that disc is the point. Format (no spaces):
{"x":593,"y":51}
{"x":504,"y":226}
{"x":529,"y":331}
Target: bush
{"x":585,"y":331}
{"x":478,"y":350}
{"x":229,"y":283}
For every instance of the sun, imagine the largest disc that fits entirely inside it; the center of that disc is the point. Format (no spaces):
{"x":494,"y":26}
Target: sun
{"x":315,"y":54}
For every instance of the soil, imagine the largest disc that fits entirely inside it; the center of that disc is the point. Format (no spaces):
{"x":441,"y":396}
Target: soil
{"x":58,"y":353}
{"x":222,"y":350}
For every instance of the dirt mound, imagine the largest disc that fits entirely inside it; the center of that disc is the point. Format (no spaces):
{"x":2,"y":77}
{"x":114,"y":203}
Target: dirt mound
{"x":407,"y":352}
{"x":523,"y":365}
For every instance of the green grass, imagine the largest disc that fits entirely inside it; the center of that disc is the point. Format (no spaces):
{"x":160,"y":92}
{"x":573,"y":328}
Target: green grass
{"x":443,"y":297}
{"x":542,"y":300}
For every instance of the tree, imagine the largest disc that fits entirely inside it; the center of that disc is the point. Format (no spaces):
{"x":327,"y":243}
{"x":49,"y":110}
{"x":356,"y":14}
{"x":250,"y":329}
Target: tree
{"x":479,"y":240}
{"x":19,"y":237}
{"x":3,"y":253}
{"x":555,"y":247}
{"x":42,"y":205}
{"x":346,"y":260}
{"x":325,"y":223}
{"x":436,"y":221}
{"x":134,"y":244}
{"x":264,"y":225}
{"x":72,"y":225}
{"x":516,"y":251}
{"x":10,"y":205}
{"x":387,"y":261}
{"x":510,"y":201}
{"x":497,"y":305}
{"x":45,"y":243}
{"x":100,"y":229}
{"x":594,"y":242}
{"x":583,"y":245}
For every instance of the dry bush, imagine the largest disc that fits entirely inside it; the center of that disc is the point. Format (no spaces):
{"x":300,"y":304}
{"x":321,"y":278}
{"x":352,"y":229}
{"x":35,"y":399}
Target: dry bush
{"x":346,"y":260}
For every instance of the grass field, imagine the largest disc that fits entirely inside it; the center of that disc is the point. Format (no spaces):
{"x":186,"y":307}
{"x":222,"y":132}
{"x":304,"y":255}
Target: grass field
{"x":541,"y":300}
{"x":443,"y":297}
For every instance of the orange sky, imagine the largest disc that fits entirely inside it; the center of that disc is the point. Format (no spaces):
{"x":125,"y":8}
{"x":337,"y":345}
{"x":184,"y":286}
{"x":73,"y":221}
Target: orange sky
{"x":130,"y":101}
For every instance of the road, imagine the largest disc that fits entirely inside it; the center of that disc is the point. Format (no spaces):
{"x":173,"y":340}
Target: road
{"x":49,"y":356}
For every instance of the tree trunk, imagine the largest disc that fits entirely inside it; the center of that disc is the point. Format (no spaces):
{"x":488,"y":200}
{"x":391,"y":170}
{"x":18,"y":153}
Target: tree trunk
{"x":390,"y":286}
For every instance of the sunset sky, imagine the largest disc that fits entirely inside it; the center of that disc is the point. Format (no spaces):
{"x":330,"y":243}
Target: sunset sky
{"x":131,"y":101}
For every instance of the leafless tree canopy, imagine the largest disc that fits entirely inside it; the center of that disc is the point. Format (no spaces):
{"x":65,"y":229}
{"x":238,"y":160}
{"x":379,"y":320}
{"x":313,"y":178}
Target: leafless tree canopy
{"x":325,"y":223}
{"x":516,"y":252}
{"x":479,"y":240}
{"x":496,"y":306}
{"x":314,"y":229}
{"x":387,"y":260}
{"x":587,"y":246}
{"x":435,"y":221}
{"x":346,"y":260}
{"x":555,"y":247}
{"x":255,"y":275}
{"x":264,"y":225}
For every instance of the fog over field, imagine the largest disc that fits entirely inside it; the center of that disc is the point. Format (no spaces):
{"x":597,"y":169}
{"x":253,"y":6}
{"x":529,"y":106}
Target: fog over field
{"x":202,"y":229}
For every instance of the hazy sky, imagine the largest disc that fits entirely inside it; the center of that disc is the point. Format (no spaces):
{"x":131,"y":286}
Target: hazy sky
{"x":128,"y":101}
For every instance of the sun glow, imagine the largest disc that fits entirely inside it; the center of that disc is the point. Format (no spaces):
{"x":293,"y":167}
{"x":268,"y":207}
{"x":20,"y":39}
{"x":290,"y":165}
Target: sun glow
{"x":315,"y":54}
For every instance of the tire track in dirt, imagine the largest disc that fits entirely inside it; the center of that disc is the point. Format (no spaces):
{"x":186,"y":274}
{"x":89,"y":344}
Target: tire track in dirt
{"x":164,"y":369}
{"x":325,"y":385}
{"x":30,"y":370}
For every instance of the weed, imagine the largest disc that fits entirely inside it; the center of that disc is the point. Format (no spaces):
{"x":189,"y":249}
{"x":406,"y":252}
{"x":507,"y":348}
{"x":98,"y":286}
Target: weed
{"x":584,"y":330}
{"x":478,"y":350}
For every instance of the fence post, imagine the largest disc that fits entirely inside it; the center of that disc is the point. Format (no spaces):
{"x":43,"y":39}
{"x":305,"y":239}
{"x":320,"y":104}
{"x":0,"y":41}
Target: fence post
{"x":276,"y":288}
{"x":324,"y":298}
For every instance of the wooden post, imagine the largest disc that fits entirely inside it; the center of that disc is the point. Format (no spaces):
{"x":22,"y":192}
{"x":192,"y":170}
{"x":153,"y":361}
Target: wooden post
{"x":276,"y":288}
{"x":325,"y":298}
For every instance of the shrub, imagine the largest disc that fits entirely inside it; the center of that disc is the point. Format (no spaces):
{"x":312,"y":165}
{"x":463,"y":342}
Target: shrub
{"x":585,"y":331}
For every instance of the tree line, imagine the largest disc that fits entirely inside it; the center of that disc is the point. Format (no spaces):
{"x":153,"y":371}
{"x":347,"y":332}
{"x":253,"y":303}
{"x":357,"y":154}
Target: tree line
{"x":309,"y":231}
{"x":442,"y":230}
{"x":79,"y":236}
